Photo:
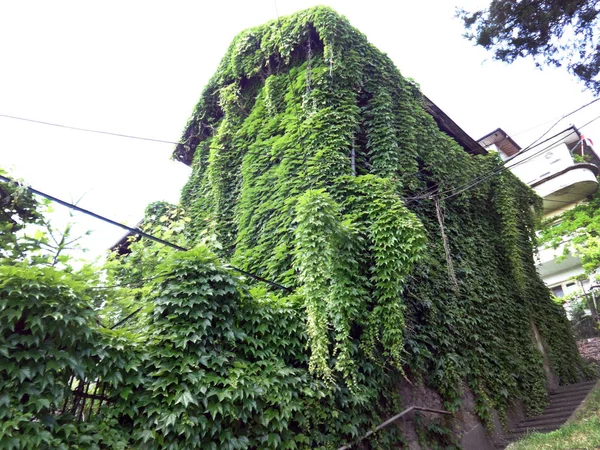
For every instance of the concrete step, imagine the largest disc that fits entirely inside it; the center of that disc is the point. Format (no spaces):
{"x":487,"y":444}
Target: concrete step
{"x":545,"y":421}
{"x":567,"y":400}
{"x":539,"y":428}
{"x":563,"y":402}
{"x":574,"y":387}
{"x":568,"y":395}
{"x":560,"y":416}
{"x":562,"y":407}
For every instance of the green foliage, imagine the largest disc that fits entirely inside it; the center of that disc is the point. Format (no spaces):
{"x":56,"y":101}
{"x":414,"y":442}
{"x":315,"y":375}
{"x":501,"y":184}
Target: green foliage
{"x":553,"y":32}
{"x":133,"y":264}
{"x":577,"y":230}
{"x":301,"y":167}
{"x":227,"y":369}
{"x":27,"y":234}
{"x":18,"y":208}
{"x":46,"y":337}
{"x":309,"y":150}
{"x":436,"y":434}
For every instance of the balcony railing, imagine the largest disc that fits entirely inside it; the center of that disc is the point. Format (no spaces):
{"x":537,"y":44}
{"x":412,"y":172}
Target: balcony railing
{"x":570,"y":185}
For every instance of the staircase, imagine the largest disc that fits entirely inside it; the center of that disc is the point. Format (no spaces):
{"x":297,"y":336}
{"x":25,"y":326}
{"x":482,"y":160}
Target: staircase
{"x":563,"y":402}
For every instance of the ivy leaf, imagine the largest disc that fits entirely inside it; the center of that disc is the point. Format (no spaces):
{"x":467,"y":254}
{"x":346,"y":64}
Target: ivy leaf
{"x":186,"y":398}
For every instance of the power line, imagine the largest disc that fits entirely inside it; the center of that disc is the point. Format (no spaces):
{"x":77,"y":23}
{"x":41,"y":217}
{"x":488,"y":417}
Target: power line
{"x":126,"y":318}
{"x":485,"y":176}
{"x":89,"y":130}
{"x":134,"y":230}
{"x":138,"y":282}
{"x":557,"y":122}
{"x":490,"y":174}
{"x":586,"y":124}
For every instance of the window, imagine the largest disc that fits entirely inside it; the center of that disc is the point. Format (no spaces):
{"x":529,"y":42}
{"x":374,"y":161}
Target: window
{"x":571,"y":287}
{"x":564,"y":289}
{"x":558,"y":291}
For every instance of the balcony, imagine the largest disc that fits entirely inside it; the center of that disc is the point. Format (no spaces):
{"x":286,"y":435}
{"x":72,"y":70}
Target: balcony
{"x":553,"y":266}
{"x":568,"y":186}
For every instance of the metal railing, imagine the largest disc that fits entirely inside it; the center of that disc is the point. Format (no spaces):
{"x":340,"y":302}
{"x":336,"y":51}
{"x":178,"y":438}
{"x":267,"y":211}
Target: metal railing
{"x":391,"y":420}
{"x":88,"y":397}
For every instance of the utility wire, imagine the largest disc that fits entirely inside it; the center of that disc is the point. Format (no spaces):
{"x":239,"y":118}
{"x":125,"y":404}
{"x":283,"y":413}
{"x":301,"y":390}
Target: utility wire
{"x":490,"y":174}
{"x":134,"y":230}
{"x":126,"y":318}
{"x":587,"y":123}
{"x":426,"y":193}
{"x":88,"y":130}
{"x":485,"y":176}
{"x":505,"y":167}
{"x":556,"y":123}
{"x":114,"y":286}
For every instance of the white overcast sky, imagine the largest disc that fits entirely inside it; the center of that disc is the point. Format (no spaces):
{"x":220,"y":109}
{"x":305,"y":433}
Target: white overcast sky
{"x":138,"y":68}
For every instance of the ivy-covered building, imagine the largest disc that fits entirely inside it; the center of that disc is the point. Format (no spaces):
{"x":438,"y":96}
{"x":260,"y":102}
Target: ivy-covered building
{"x":352,"y":254}
{"x":407,"y":253}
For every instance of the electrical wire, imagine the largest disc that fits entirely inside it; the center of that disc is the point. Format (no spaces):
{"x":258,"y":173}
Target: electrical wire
{"x":587,"y":123}
{"x":557,"y":122}
{"x":427,"y":193}
{"x":494,"y":172}
{"x":126,"y":318}
{"x":505,"y":167}
{"x":114,"y":286}
{"x":134,"y":230}
{"x":89,"y":130}
{"x":485,"y":176}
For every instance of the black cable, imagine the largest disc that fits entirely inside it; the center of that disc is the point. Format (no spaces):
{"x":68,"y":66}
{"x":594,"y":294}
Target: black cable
{"x":531,"y":146}
{"x":483,"y":177}
{"x":586,"y":124}
{"x":557,"y":122}
{"x":88,"y":130}
{"x":126,"y":318}
{"x":134,"y":230}
{"x":505,"y":167}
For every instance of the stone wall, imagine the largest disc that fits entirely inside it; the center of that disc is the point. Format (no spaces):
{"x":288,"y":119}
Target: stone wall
{"x":465,"y":425}
{"x":590,"y":348}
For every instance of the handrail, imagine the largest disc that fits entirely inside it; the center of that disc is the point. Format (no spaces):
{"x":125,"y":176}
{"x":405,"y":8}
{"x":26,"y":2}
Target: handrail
{"x":392,"y":420}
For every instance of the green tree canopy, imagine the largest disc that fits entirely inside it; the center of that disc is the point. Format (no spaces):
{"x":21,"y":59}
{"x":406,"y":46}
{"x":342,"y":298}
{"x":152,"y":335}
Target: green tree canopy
{"x":553,"y":32}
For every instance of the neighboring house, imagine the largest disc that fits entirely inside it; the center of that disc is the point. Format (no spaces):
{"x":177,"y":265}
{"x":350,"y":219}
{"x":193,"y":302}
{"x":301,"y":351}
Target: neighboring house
{"x":563,"y":171}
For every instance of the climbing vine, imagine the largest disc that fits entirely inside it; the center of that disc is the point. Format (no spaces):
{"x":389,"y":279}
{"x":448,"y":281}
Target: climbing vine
{"x":332,"y":141}
{"x":315,"y":164}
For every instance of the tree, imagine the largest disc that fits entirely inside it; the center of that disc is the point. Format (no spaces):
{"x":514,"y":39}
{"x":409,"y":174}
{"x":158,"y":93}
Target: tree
{"x":27,"y":234}
{"x":553,"y":32}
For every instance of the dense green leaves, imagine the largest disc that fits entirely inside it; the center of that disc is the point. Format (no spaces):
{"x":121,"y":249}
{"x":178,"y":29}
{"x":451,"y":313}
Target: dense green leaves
{"x":308,"y":140}
{"x":314,"y":166}
{"x":46,"y":336}
{"x":18,"y":208}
